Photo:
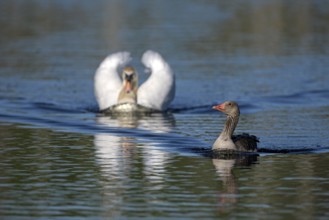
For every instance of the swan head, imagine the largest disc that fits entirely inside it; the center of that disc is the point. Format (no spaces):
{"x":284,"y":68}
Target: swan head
{"x":128,"y":93}
{"x":129,"y":78}
{"x":230,"y":108}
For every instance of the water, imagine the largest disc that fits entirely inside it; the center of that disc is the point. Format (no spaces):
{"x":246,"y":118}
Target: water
{"x":60,"y":159}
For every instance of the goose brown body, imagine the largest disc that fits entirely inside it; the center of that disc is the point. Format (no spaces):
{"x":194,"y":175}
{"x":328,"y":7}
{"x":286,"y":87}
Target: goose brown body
{"x":228,"y":141}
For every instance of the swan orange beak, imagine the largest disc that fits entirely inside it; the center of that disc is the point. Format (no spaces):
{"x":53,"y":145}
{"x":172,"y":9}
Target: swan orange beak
{"x":128,"y":87}
{"x":220,"y":107}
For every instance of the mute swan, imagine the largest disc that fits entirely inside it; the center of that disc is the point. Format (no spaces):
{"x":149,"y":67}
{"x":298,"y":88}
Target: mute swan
{"x":156,"y":93}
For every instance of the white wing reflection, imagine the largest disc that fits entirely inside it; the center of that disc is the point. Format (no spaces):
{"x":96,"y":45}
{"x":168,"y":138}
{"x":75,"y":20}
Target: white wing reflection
{"x":119,"y":154}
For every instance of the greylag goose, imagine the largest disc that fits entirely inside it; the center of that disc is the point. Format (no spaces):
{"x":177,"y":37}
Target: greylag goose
{"x":228,"y":141}
{"x":155,"y":93}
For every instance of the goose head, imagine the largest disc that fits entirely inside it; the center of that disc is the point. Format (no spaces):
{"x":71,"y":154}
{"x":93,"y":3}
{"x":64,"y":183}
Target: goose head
{"x":230,"y":108}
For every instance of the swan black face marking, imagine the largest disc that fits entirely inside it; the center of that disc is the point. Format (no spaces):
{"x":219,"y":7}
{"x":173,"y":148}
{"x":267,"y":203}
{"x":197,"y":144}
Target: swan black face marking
{"x":129,"y":77}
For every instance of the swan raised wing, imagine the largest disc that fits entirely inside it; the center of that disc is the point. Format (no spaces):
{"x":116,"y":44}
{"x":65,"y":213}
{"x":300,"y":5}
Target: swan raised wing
{"x":107,"y":82}
{"x":158,"y":90}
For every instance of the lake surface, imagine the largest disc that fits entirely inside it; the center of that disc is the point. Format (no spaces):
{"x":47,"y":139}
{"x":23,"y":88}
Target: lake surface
{"x":61,"y":159}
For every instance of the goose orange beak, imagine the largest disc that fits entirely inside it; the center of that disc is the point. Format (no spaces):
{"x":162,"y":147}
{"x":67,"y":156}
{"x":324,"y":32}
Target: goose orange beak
{"x":220,"y":107}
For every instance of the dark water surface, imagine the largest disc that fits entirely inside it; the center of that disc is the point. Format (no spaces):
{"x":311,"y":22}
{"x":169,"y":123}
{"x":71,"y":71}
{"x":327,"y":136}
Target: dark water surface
{"x":60,"y":159}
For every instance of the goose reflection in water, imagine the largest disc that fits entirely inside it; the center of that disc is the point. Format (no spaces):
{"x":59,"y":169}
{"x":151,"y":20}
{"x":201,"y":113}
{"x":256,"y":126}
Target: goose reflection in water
{"x":224,"y":166}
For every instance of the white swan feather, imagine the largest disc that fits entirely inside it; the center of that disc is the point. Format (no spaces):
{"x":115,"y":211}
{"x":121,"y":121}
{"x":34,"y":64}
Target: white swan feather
{"x":107,"y":82}
{"x":155,"y":93}
{"x":158,"y":90}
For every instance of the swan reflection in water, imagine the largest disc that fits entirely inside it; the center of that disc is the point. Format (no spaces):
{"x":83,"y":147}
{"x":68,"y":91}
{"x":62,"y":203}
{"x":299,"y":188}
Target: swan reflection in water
{"x":118,"y":153}
{"x":224,"y":166}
